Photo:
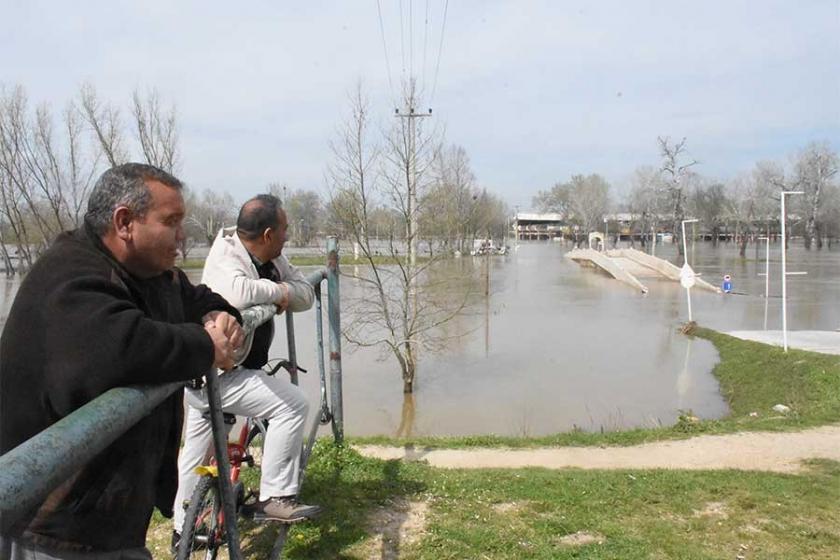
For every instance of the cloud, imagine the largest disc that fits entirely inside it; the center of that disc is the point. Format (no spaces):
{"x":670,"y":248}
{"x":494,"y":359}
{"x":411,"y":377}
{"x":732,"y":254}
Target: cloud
{"x":533,"y":90}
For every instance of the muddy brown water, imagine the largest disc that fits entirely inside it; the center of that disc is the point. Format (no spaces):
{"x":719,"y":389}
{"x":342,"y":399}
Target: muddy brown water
{"x":557,"y":347}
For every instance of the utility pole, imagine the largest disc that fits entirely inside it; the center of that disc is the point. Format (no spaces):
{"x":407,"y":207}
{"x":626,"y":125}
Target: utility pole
{"x":411,"y":115}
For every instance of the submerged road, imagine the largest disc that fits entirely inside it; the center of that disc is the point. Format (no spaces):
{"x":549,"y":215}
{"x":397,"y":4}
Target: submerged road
{"x":824,"y":342}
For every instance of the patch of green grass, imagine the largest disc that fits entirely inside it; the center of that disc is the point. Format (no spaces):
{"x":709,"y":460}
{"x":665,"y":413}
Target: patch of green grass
{"x":753,"y":377}
{"x":530,"y":513}
{"x":191,"y":264}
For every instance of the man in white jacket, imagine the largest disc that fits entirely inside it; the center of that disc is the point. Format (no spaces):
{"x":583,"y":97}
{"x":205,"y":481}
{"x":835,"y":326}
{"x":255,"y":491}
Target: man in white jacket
{"x":246,"y":268}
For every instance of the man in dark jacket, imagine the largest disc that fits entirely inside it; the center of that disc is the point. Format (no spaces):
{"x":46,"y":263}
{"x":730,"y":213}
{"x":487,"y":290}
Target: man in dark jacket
{"x":104,"y":308}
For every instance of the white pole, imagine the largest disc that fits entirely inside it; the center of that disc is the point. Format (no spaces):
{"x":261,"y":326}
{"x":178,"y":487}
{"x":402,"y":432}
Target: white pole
{"x":784,"y":277}
{"x":688,"y":295}
{"x":685,"y":261}
{"x":653,"y":243}
{"x":784,"y":270}
{"x":766,"y":276}
{"x":767,"y":268}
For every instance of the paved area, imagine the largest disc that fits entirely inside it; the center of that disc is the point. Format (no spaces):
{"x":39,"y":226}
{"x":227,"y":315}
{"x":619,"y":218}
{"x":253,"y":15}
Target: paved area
{"x":749,"y":451}
{"x":825,"y":342}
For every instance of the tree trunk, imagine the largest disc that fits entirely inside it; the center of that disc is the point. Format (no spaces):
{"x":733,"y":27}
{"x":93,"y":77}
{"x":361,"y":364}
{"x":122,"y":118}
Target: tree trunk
{"x":810,"y":232}
{"x":408,"y":368}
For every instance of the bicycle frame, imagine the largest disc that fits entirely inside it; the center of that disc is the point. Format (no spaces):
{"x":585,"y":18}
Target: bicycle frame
{"x":335,"y":416}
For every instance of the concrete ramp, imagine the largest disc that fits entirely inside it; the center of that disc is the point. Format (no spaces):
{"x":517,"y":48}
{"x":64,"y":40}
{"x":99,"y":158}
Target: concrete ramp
{"x":628,"y":265}
{"x":660,"y":266}
{"x":607,"y":264}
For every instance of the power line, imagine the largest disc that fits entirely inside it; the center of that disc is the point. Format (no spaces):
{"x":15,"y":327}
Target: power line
{"x":440,"y":50}
{"x":385,"y":48}
{"x":402,"y":38}
{"x":410,"y":39}
{"x":425,"y":41}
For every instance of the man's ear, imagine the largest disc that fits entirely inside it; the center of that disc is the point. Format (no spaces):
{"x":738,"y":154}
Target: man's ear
{"x":122,"y":220}
{"x":267,"y":234}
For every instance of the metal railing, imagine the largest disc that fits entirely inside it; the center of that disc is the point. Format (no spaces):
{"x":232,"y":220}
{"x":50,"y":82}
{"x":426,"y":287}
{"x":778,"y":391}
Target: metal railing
{"x":30,"y":471}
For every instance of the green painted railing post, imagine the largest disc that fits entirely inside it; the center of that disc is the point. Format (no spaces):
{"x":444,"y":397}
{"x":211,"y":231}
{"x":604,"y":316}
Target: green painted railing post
{"x":333,"y":312}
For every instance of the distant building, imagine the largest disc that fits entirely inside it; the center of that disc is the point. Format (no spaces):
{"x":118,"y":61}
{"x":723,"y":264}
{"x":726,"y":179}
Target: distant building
{"x":531,"y":225}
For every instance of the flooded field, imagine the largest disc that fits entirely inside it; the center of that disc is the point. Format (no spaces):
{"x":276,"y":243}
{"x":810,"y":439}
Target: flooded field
{"x":557,"y":346}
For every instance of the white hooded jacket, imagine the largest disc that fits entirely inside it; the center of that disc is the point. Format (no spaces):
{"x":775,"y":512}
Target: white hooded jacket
{"x":230,"y":272}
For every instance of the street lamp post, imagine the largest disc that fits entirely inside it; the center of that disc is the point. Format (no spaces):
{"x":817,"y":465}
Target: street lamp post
{"x":687,"y":275}
{"x":784,"y":268}
{"x":685,"y":245}
{"x":766,"y":275}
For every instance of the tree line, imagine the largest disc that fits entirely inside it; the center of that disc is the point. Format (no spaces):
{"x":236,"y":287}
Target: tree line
{"x":740,"y":209}
{"x":50,"y":161}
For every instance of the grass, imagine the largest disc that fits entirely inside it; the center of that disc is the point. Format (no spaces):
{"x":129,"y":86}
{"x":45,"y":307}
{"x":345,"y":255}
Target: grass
{"x":753,"y":377}
{"x":530,"y":513}
{"x":571,"y":513}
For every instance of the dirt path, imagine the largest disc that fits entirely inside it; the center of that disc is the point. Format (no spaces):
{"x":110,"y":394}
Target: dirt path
{"x":757,"y":451}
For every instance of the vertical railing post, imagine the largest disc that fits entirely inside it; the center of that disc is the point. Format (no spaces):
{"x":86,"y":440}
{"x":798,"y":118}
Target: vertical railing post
{"x":214,"y":399}
{"x":292,"y":349}
{"x":333,"y":306}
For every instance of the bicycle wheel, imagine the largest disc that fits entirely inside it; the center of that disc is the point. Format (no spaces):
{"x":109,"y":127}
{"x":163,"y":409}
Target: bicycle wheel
{"x":203,"y":534}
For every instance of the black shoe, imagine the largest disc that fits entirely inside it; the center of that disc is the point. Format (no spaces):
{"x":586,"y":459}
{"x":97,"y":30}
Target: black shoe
{"x":173,"y":547}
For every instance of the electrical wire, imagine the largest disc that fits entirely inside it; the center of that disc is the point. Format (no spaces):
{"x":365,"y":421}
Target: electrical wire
{"x":402,"y":38}
{"x":410,"y":39}
{"x":425,"y":43}
{"x":385,"y":48}
{"x":440,"y":50}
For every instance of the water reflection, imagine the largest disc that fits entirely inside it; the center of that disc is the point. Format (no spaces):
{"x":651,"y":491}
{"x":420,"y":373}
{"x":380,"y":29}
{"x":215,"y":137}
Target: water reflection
{"x":552,"y":346}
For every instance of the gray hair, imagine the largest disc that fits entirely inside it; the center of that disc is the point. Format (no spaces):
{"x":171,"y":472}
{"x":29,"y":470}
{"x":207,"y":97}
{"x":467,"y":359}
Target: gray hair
{"x":124,"y":185}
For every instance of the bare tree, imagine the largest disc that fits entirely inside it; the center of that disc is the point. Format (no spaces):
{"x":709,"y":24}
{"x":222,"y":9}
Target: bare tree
{"x":448,"y":207}
{"x":815,"y":168}
{"x":48,"y":165}
{"x":157,"y":131}
{"x":583,"y":201}
{"x":589,"y":200}
{"x":45,"y":176}
{"x":710,"y":204}
{"x":645,"y":200}
{"x":556,"y":199}
{"x":403,"y":303}
{"x":208,"y":213}
{"x":304,"y":211}
{"x":104,"y":121}
{"x":674,"y":169}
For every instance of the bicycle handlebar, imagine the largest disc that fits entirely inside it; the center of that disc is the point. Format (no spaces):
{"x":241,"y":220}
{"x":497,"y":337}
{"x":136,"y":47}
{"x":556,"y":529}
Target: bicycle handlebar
{"x":287,"y":365}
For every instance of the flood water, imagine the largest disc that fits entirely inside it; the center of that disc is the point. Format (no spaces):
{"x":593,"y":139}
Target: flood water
{"x":557,"y":347}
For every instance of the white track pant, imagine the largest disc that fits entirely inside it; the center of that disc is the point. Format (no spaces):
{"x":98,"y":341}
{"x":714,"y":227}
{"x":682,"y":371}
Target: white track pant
{"x":247,"y":392}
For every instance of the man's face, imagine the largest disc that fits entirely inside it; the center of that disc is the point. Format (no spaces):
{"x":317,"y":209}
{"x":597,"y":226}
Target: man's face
{"x":278,"y":237}
{"x":155,"y":237}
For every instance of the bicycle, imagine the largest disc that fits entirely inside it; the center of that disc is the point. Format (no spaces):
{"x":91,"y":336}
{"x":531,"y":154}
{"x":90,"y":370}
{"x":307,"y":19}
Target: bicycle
{"x":204,"y":533}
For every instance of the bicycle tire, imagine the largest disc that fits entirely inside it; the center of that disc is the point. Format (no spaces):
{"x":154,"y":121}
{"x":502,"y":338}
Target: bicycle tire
{"x":202,"y":536}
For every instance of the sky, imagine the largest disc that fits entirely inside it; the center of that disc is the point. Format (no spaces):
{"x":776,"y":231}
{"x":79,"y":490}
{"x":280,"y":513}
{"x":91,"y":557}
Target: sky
{"x":535,"y":91}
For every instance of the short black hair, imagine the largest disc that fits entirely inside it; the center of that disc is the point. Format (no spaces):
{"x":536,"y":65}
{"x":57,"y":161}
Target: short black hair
{"x":124,"y":185}
{"x":257,"y":215}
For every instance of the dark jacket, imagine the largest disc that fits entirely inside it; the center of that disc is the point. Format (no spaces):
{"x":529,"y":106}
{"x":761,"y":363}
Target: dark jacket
{"x":80,"y":325}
